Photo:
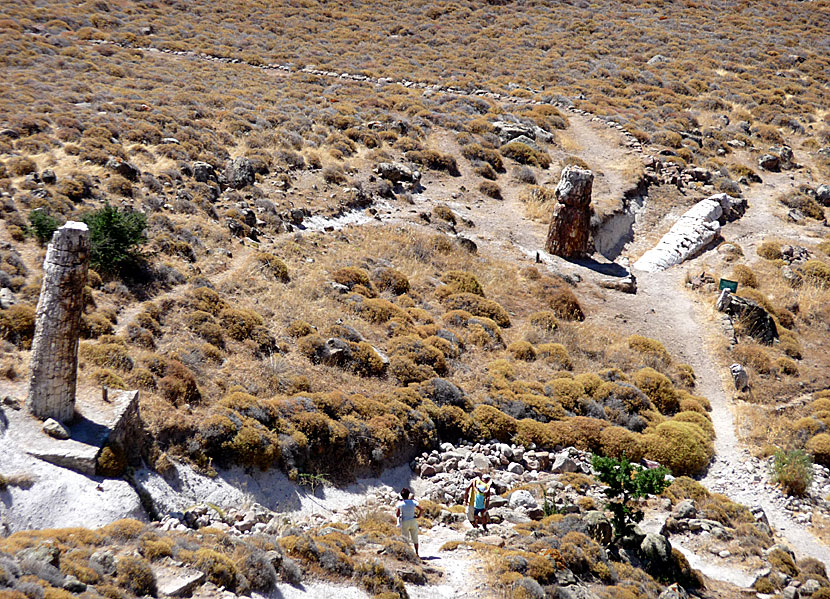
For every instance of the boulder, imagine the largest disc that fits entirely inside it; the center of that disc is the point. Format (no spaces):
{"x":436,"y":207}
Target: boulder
{"x":684,"y":510}
{"x":759,"y":323}
{"x":203,"y":172}
{"x":740,"y":378}
{"x":508,"y":131}
{"x":240,"y":172}
{"x":55,"y":429}
{"x":7,"y":298}
{"x":655,"y":550}
{"x":48,"y":177}
{"x":126,"y":169}
{"x":823,"y":195}
{"x":103,"y":561}
{"x":568,"y":234}
{"x":599,"y":527}
{"x":515,"y":468}
{"x":770,"y":162}
{"x":563,"y":464}
{"x":522,"y":498}
{"x":396,"y":172}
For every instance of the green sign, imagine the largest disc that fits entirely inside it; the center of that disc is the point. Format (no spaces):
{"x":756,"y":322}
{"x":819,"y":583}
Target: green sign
{"x":727,"y":284}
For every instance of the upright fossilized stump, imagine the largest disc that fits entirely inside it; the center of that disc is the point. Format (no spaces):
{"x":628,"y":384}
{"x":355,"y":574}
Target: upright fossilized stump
{"x":54,"y":362}
{"x":570,"y":226}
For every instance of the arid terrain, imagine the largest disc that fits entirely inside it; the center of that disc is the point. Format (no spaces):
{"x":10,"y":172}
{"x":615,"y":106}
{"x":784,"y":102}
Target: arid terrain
{"x":319,"y":252}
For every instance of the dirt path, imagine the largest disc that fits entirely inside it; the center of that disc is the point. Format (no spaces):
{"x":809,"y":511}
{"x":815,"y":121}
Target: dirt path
{"x":463,"y":572}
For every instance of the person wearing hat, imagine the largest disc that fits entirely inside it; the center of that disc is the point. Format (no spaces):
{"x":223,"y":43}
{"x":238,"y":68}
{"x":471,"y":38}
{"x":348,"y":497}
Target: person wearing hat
{"x":478,"y":496}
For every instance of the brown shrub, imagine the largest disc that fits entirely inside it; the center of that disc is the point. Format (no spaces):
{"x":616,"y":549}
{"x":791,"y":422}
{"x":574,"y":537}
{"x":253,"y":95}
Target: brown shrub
{"x":753,"y":355}
{"x":565,"y":305}
{"x":393,"y":280}
{"x":769,"y":250}
{"x":459,"y":281}
{"x":545,"y":321}
{"x":478,"y":306}
{"x":650,"y":348}
{"x":658,"y":388}
{"x":494,"y":424}
{"x":819,"y":448}
{"x":680,"y":446}
{"x":17,"y":325}
{"x":744,"y":275}
{"x":522,"y":350}
{"x":178,"y":386}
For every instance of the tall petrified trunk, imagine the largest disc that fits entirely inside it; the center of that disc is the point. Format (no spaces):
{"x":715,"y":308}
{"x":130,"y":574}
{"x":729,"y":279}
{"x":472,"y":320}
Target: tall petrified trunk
{"x":569,"y":232}
{"x":54,"y":362}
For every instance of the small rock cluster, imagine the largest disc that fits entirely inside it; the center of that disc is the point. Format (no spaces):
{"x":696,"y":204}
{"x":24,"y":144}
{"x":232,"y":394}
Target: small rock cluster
{"x":254,"y":519}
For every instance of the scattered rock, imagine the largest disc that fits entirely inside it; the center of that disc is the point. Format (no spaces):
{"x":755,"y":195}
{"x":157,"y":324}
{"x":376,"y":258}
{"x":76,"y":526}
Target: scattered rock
{"x":48,"y":177}
{"x":55,"y":429}
{"x":240,"y":172}
{"x":398,"y":173}
{"x":770,"y":162}
{"x":823,"y":195}
{"x":563,"y":463}
{"x":674,"y":591}
{"x":599,"y":527}
{"x":203,"y":172}
{"x":7,"y":298}
{"x":759,"y":323}
{"x":126,"y":169}
{"x":740,"y":378}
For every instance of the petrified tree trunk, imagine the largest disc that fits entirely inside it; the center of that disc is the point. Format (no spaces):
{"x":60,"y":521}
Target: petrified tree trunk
{"x":58,"y":319}
{"x":569,"y":232}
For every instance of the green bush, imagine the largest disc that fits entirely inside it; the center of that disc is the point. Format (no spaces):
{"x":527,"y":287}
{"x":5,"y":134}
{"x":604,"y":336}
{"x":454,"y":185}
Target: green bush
{"x":494,"y":424}
{"x":115,"y":237}
{"x":42,"y":225}
{"x":793,"y":471}
{"x":626,"y":484}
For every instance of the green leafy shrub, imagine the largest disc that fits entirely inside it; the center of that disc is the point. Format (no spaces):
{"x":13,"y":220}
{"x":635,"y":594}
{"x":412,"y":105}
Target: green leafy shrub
{"x":42,"y":225}
{"x":627,"y":483}
{"x":115,"y":237}
{"x":793,"y":470}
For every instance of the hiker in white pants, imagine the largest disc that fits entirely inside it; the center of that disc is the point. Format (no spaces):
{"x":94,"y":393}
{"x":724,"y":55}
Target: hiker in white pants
{"x":408,"y":511}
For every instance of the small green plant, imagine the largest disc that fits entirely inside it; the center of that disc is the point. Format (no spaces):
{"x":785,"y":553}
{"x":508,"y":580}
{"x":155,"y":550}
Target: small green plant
{"x":548,"y":506}
{"x":313,"y":481}
{"x":42,"y":225}
{"x":115,"y":238}
{"x":793,"y":470}
{"x":627,"y":482}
